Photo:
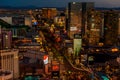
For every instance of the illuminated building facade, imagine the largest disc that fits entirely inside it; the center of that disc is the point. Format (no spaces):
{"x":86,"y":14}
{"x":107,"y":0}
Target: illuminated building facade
{"x":60,"y":21}
{"x":111,"y":22}
{"x":86,"y":6}
{"x":6,"y":39}
{"x":74,"y":17}
{"x":6,"y":75}
{"x":119,"y":26}
{"x":119,"y":32}
{"x":6,"y":18}
{"x":77,"y":20}
{"x":49,"y":13}
{"x":55,"y":69}
{"x":0,"y":37}
{"x":9,"y":61}
{"x":94,"y":27}
{"x":8,"y":58}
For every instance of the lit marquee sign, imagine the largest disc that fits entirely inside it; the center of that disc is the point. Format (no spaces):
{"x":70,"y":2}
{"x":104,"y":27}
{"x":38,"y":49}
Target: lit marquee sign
{"x":45,"y":59}
{"x":55,"y":67}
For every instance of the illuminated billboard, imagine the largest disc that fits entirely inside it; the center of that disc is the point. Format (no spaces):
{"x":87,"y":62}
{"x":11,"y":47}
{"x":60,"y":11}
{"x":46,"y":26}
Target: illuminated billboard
{"x":55,"y":67}
{"x":45,"y":59}
{"x":77,"y":46}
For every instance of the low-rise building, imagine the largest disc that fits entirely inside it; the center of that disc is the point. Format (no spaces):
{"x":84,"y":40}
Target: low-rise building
{"x":6,"y":75}
{"x":9,"y":61}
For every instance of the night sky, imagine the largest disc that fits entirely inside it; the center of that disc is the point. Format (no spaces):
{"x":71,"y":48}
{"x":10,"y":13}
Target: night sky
{"x":57,"y":3}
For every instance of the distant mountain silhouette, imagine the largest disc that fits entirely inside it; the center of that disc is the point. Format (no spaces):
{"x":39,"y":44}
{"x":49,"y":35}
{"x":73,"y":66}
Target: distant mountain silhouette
{"x":103,"y":8}
{"x":23,"y":7}
{"x":60,"y":8}
{"x":27,"y":7}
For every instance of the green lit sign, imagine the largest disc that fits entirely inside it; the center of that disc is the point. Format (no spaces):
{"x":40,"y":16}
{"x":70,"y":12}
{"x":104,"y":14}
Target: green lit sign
{"x":31,"y":78}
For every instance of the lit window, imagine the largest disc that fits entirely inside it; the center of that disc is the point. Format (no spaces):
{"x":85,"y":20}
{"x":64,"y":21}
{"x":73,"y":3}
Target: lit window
{"x":6,"y":36}
{"x":73,"y":2}
{"x":93,"y":25}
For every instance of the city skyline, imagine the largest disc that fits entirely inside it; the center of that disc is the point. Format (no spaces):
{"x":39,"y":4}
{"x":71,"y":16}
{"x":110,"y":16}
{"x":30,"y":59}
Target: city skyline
{"x":57,"y":3}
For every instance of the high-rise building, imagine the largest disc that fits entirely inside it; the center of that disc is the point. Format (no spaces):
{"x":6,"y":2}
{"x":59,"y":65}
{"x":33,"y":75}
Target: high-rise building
{"x":0,"y":29}
{"x":119,"y":32}
{"x":9,"y":61}
{"x":77,"y":19}
{"x":119,"y":26}
{"x":74,"y":18}
{"x":86,"y":7}
{"x":6,"y":39}
{"x":8,"y":57}
{"x":0,"y":37}
{"x":94,"y":27}
{"x":111,"y":22}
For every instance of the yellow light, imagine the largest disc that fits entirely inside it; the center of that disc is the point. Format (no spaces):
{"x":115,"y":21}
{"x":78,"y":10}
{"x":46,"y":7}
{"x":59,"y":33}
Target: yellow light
{"x":16,"y":57}
{"x":100,"y":44}
{"x":114,"y":50}
{"x":97,"y":50}
{"x":36,"y":38}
